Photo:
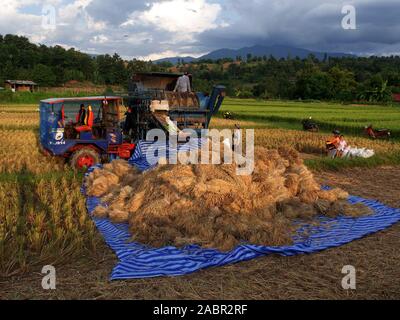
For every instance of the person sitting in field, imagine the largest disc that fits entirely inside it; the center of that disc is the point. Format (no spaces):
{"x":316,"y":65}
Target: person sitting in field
{"x":332,"y":144}
{"x":345,"y":151}
{"x":342,"y":147}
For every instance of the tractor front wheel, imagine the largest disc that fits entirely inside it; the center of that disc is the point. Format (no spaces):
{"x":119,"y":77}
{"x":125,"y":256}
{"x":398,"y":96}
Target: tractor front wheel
{"x":84,"y":158}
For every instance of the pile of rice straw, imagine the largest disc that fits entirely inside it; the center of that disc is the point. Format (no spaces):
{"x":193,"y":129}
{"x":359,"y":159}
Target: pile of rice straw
{"x":212,"y":206}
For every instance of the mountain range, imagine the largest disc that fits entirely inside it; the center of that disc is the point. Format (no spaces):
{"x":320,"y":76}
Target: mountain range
{"x":277,"y":52}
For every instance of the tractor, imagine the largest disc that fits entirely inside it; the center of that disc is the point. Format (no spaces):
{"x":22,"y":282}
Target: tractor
{"x":91,"y":130}
{"x":83,"y":130}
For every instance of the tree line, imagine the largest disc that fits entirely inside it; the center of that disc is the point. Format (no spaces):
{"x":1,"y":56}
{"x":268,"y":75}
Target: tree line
{"x":371,"y":79}
{"x":54,"y":66}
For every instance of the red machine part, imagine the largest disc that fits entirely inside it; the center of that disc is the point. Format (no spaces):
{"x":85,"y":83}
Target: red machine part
{"x":85,"y":161}
{"x":84,"y":157}
{"x":123,"y":150}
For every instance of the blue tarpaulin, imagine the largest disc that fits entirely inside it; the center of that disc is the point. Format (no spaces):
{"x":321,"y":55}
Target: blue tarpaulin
{"x":146,"y":154}
{"x":139,"y":261}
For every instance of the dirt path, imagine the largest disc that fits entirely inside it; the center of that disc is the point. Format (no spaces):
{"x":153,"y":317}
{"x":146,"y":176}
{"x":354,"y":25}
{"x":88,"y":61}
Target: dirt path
{"x":316,"y":276}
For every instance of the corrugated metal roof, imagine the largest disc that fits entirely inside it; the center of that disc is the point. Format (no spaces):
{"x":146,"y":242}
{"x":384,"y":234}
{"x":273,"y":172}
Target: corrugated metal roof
{"x":22,"y":82}
{"x":59,"y":100}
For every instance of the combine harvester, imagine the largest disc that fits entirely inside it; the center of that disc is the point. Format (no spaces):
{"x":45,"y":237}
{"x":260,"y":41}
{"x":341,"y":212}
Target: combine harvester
{"x":91,"y":130}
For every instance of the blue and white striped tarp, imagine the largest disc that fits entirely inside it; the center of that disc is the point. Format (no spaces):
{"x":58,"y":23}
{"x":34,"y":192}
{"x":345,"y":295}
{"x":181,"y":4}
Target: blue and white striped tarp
{"x":146,"y":153}
{"x":139,"y":261}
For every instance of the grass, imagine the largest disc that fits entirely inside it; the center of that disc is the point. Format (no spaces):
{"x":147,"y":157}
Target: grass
{"x":387,"y":152}
{"x":19,"y":152}
{"x":24,"y":176}
{"x":42,"y":221}
{"x":338,"y":164}
{"x":43,"y":217}
{"x":279,"y":123}
{"x":13,"y":120}
{"x":34,"y":97}
{"x":351,"y":119}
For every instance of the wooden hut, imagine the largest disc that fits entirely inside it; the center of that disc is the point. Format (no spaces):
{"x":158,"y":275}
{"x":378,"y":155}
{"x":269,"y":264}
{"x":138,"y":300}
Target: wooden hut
{"x":21,"y":85}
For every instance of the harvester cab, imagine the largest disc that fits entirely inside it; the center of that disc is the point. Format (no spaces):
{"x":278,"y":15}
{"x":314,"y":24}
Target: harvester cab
{"x":84,"y":130}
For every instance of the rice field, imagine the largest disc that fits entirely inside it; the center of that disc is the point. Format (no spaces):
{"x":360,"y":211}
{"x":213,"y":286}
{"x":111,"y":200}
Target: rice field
{"x":306,"y":142}
{"x":279,"y":123}
{"x":351,"y":119}
{"x":42,"y":213}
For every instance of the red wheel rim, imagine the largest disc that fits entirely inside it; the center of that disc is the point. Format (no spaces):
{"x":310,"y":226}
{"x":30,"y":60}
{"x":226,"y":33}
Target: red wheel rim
{"x":85,"y":161}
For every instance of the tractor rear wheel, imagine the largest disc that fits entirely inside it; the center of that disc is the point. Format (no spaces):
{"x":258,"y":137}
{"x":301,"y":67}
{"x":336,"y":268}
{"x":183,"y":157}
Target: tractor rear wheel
{"x":84,"y":158}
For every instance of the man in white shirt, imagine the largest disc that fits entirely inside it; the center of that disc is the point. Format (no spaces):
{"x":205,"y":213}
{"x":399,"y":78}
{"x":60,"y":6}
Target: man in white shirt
{"x":183,"y":84}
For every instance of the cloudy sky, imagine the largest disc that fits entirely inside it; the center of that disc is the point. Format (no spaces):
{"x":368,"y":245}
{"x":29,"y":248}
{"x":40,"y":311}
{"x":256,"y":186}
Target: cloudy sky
{"x":153,"y":29}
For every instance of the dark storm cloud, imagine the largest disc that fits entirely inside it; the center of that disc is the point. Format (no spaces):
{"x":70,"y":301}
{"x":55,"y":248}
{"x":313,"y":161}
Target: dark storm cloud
{"x":115,"y":11}
{"x":311,"y":24}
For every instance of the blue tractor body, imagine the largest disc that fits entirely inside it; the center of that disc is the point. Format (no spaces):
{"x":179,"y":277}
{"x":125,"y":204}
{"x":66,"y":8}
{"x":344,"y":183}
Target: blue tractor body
{"x":58,"y":124}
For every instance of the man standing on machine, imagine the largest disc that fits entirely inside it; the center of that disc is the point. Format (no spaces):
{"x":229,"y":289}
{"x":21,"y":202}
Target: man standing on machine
{"x":183,"y":84}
